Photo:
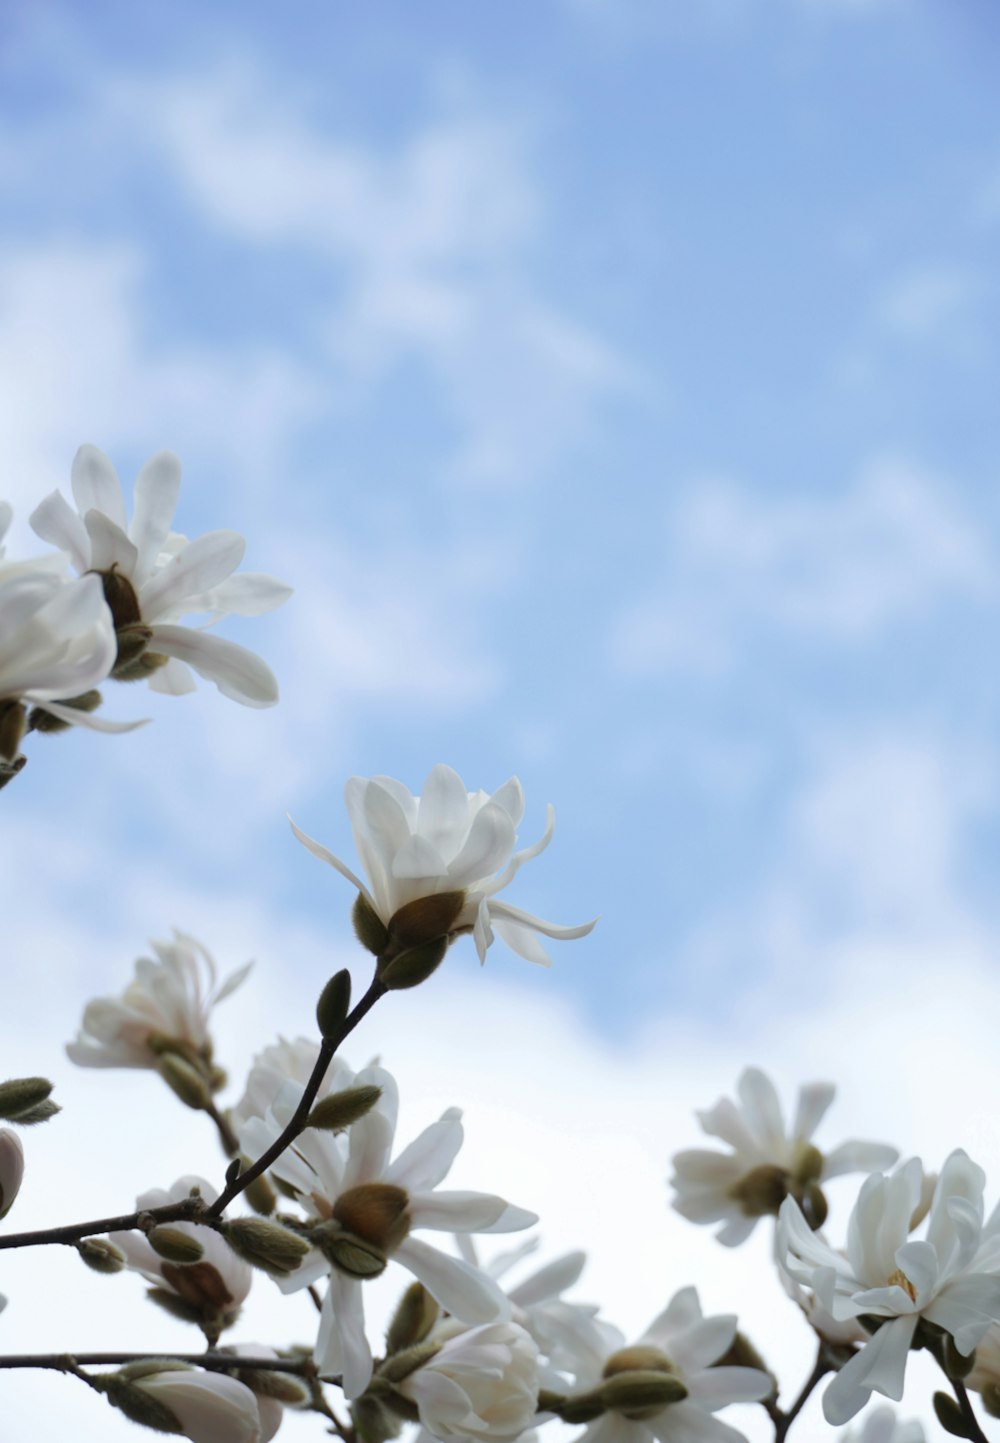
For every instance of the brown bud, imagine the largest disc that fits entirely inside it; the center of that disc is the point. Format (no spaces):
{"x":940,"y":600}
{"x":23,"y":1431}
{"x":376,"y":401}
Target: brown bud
{"x":376,"y":1212}
{"x":401,"y":970}
{"x":334,"y":1004}
{"x":265,"y":1244}
{"x":340,"y":1109}
{"x":185,"y":1081}
{"x":425,"y":919}
{"x":369,"y":928}
{"x":101,"y":1255}
{"x":642,"y":1393}
{"x":415,"y":1315}
{"x":175,"y":1245}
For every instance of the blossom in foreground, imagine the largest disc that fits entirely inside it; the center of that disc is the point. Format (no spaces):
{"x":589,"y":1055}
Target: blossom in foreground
{"x":768,"y":1161}
{"x":161,"y":1019}
{"x":882,"y":1426}
{"x":365,"y":1208}
{"x":985,"y":1376}
{"x":948,"y":1278}
{"x":152,"y":577}
{"x":11,"y":1169}
{"x":445,"y":841}
{"x":482,"y":1383}
{"x":209,"y":1407}
{"x":680,"y":1345}
{"x":209,"y":1292}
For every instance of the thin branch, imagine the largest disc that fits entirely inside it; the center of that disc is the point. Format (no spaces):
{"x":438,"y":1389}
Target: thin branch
{"x":297,"y":1121}
{"x":230,"y":1142}
{"x":214,"y":1361}
{"x":783,"y":1420}
{"x":189,"y":1209}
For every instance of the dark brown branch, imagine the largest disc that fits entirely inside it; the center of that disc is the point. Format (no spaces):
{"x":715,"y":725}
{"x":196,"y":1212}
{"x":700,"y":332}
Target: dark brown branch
{"x":189,"y":1209}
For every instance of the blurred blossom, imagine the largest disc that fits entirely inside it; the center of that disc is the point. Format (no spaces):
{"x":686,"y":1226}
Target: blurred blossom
{"x":210,"y":1407}
{"x":481,"y":1384}
{"x":882,"y":1425}
{"x":11,"y":1169}
{"x":768,"y":1161}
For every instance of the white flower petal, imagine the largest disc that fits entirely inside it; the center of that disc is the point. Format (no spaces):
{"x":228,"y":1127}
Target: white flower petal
{"x":238,"y":673}
{"x":110,"y":547}
{"x":427,"y":1160}
{"x":174,"y":679}
{"x":318,"y":850}
{"x":459,"y":1288}
{"x":202,"y":563}
{"x":55,"y":521}
{"x":154,"y":501}
{"x":96,"y":486}
{"x":814,"y":1102}
{"x":880,"y":1367}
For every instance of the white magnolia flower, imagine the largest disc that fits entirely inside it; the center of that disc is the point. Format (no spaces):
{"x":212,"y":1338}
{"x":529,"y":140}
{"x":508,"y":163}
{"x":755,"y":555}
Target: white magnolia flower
{"x":949,"y":1277}
{"x":371,"y":1207}
{"x":768,"y":1161}
{"x":210,"y":1407}
{"x":537,"y":1303}
{"x":153,"y":577}
{"x":684,"y":1344}
{"x":57,"y":638}
{"x":283,"y":1062}
{"x":882,"y":1426}
{"x":481,"y":1384}
{"x":165,"y":1008}
{"x":271,"y":1411}
{"x":214,"y":1288}
{"x":445,"y":840}
{"x":11,"y":1169}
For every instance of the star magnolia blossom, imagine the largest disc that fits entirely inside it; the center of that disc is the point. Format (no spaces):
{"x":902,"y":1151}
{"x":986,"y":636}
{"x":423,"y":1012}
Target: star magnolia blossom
{"x":153,"y":577}
{"x":165,"y":1007}
{"x":215,"y":1287}
{"x":684,"y":1344}
{"x":767,"y":1160}
{"x":537,"y":1303}
{"x":949,"y":1277}
{"x":210,"y":1407}
{"x":481,"y":1384}
{"x":445,"y":840}
{"x":11,"y":1169}
{"x":285,"y":1062}
{"x":372,"y":1206}
{"x":57,"y":637}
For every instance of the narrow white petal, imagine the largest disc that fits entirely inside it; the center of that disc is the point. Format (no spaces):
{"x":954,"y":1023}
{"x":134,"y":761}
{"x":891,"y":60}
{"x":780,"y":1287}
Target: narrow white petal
{"x":814,"y":1101}
{"x":487,"y":847}
{"x":174,"y":679}
{"x":455,"y":1212}
{"x":318,"y":850}
{"x":202,"y":564}
{"x":461,"y":1289}
{"x":96,"y":485}
{"x":153,"y":505}
{"x":857,"y":1156}
{"x":109,"y":545}
{"x":879,"y":1367}
{"x":549,"y":929}
{"x":427,"y":1160}
{"x":90,"y":721}
{"x":238,"y":673}
{"x":55,"y":521}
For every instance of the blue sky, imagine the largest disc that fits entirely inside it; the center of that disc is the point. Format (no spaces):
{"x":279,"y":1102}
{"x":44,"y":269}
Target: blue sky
{"x":616,"y":382}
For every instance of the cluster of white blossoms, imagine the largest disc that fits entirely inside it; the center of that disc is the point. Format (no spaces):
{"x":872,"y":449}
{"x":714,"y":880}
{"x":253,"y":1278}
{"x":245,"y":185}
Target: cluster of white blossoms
{"x":468,"y":1356}
{"x":119,"y":618}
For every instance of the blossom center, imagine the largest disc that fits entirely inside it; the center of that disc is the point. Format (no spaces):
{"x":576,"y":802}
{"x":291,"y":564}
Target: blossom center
{"x":898,"y":1279}
{"x":640,"y":1358}
{"x":376,"y":1212}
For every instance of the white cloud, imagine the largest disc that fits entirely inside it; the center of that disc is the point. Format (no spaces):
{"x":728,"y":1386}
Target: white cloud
{"x":928,"y":301}
{"x":428,"y":246}
{"x":834,"y":569}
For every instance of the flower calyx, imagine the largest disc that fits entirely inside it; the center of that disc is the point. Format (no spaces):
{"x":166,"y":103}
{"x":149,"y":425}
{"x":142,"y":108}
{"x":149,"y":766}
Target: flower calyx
{"x":367,"y":1223}
{"x":761,"y":1191}
{"x":416,"y":939}
{"x":640,"y":1382}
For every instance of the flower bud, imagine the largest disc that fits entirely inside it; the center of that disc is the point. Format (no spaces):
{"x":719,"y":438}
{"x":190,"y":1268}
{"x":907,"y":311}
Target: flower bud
{"x":340,"y":1109}
{"x":990,"y":1394}
{"x":642,"y":1393}
{"x":184,"y":1080}
{"x":426,"y":919}
{"x":402,"y":1364}
{"x":369,"y":928}
{"x":814,"y":1205}
{"x":269,"y":1383}
{"x":351,"y":1255}
{"x":373,"y":1421}
{"x":956,"y":1364}
{"x":21,"y":1097}
{"x":334,"y":1004}
{"x":11,"y":1169}
{"x":40,"y":720}
{"x":413,"y":966}
{"x":101,"y":1255}
{"x":951,"y":1417}
{"x":123,"y":604}
{"x":175,"y":1245}
{"x":415,"y":1315}
{"x":138,"y":1405}
{"x":582,"y":1409}
{"x":261,"y":1196}
{"x":264,"y":1244}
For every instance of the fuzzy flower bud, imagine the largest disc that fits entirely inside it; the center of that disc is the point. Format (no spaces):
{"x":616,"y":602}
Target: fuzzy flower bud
{"x":11,"y":1169}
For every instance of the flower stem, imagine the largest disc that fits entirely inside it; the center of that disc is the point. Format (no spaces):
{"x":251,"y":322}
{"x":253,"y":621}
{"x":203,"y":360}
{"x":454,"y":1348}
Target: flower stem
{"x":783,"y":1420}
{"x":965,"y":1403}
{"x":297,"y":1122}
{"x":214,"y":1361}
{"x":189,"y":1209}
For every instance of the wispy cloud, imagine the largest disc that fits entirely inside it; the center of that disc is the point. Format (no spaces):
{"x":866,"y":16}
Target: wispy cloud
{"x":837,"y":569}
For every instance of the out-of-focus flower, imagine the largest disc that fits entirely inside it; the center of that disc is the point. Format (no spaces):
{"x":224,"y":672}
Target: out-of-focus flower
{"x":57,"y":642}
{"x":365,"y":1209}
{"x":679,"y":1348}
{"x":482,"y":1383}
{"x":948,"y":1278}
{"x":208,"y":1292}
{"x":152,"y":577}
{"x":445,"y":842}
{"x":282,"y":1062}
{"x":161,"y":1019}
{"x":985,"y":1376}
{"x":264,"y":1384}
{"x":768,"y":1161}
{"x":209,"y":1407}
{"x":11,"y":1169}
{"x":882,"y":1426}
